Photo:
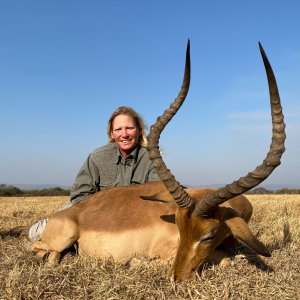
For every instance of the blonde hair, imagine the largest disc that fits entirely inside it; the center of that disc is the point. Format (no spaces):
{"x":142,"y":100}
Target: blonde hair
{"x":128,"y":111}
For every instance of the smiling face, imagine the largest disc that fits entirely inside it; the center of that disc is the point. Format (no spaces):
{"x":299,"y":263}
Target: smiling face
{"x":125,"y":133}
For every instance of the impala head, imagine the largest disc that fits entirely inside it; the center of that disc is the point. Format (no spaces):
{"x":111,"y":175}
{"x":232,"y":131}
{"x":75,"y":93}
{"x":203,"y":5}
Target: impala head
{"x":203,"y":219}
{"x":198,"y":238}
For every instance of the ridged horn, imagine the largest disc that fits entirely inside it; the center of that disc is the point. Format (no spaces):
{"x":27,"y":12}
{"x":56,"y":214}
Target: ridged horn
{"x":272,"y":160}
{"x":178,"y":193}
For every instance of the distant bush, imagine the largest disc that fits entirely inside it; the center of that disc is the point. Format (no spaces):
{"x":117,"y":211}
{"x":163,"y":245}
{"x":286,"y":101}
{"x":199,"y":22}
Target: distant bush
{"x":12,"y":191}
{"x":8,"y":191}
{"x":263,"y":191}
{"x":56,"y":191}
{"x":260,"y":190}
{"x":288,"y":191}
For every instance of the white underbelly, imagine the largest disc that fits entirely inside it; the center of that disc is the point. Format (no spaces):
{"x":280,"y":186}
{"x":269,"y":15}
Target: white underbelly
{"x":121,"y":246}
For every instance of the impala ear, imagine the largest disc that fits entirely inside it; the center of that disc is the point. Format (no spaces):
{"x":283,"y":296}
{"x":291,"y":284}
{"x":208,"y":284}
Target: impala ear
{"x":168,"y":218}
{"x":240,"y":230}
{"x":164,"y":197}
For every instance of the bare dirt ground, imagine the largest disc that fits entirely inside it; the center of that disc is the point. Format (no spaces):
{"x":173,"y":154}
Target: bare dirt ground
{"x":276,"y":221}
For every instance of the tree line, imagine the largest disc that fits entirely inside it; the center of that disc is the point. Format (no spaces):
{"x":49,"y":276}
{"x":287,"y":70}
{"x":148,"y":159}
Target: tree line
{"x":12,"y":191}
{"x":261,"y":190}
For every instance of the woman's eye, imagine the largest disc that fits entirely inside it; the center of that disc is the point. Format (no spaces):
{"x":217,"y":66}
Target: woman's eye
{"x":130,"y":128}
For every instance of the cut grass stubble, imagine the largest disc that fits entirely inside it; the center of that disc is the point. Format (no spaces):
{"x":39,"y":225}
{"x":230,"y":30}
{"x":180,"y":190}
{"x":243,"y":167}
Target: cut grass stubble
{"x":276,"y":221}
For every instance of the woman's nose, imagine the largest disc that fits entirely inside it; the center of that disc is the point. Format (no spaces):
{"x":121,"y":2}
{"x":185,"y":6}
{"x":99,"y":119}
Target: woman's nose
{"x":124,"y":132}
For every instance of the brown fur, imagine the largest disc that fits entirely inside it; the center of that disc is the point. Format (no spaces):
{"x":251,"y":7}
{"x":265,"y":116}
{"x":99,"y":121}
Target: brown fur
{"x":117,"y":223}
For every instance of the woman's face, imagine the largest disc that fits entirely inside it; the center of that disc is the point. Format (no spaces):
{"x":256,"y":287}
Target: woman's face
{"x":125,"y":133}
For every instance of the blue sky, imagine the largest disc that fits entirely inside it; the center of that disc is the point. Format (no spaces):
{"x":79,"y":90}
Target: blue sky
{"x":67,"y":65}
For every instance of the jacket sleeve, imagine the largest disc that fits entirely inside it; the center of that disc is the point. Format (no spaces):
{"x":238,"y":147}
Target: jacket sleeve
{"x":86,"y":182}
{"x":152,"y":175}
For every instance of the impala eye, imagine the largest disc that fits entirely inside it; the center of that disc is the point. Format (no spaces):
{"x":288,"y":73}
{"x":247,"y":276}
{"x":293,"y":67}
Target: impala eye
{"x":210,"y":236}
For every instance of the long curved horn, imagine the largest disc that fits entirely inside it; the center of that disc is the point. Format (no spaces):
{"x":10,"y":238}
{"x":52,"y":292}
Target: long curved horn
{"x":271,"y":161}
{"x":178,"y":193}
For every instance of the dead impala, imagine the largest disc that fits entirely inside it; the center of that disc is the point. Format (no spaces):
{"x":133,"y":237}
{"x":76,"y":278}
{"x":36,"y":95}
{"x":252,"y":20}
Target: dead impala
{"x":188,"y":224}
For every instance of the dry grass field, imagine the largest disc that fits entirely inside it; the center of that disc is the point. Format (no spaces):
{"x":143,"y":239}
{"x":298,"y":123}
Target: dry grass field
{"x":276,"y":221}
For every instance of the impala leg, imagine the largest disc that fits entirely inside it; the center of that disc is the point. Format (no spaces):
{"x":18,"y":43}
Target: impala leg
{"x":41,"y":253}
{"x":39,"y":246}
{"x":42,"y":249}
{"x":53,"y":258}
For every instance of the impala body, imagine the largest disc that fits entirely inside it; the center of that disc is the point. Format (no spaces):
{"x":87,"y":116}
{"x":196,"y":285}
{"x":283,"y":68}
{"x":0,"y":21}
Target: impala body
{"x":117,"y":223}
{"x":162,"y":218}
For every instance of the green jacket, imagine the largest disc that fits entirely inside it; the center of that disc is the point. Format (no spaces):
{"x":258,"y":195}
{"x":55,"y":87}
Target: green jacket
{"x":105,"y":168}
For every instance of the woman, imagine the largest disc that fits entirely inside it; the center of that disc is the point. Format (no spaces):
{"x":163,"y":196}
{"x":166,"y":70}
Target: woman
{"x":123,"y":161}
